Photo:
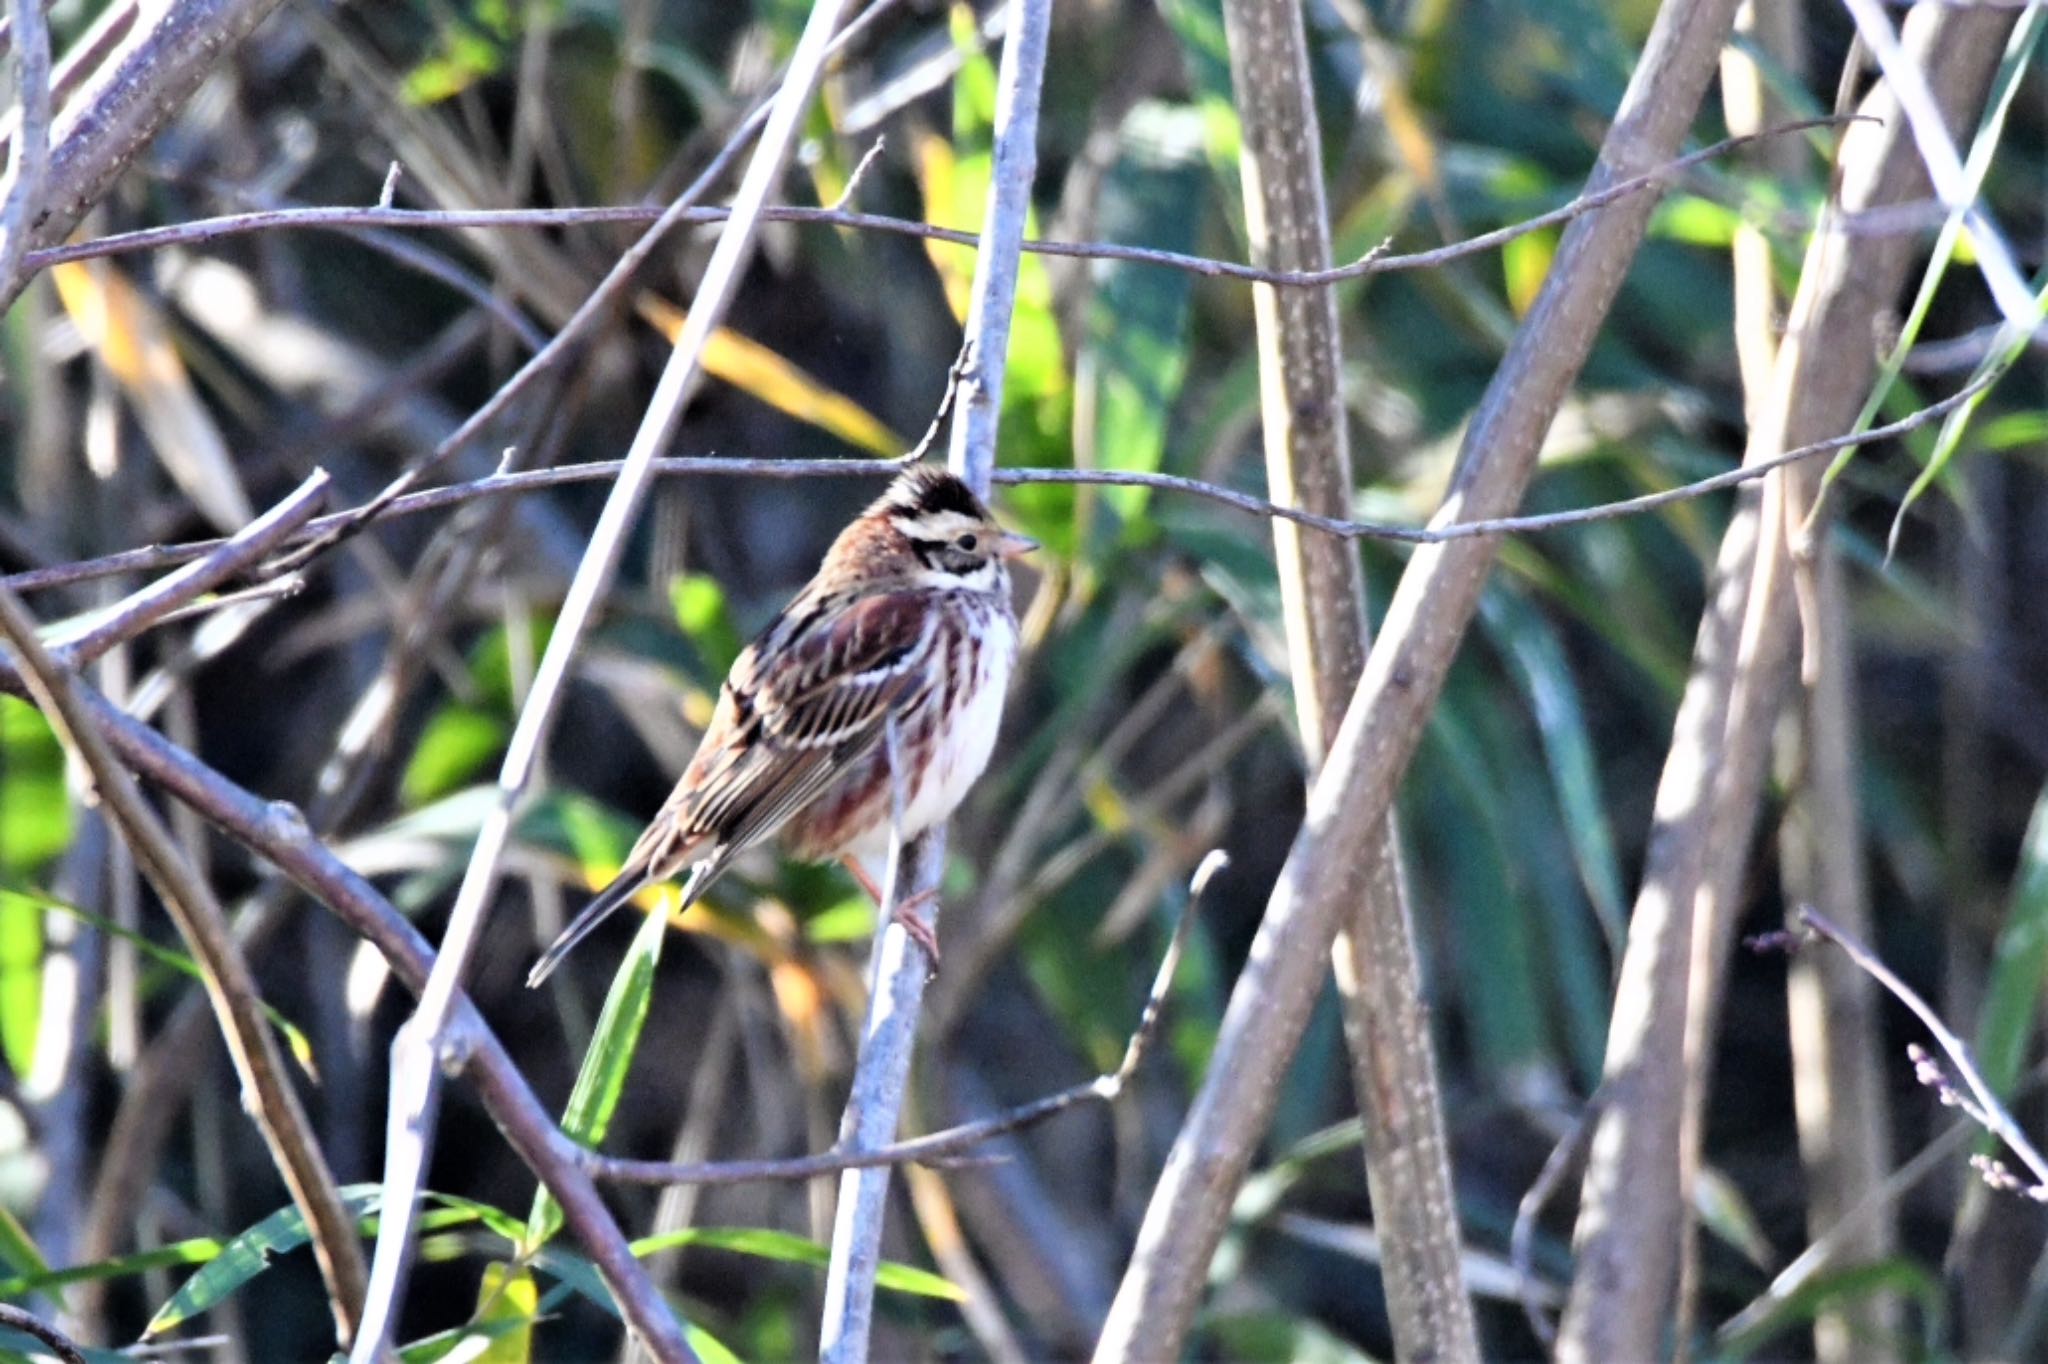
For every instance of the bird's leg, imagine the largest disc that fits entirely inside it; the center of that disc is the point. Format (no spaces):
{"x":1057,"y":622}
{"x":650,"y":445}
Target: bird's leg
{"x":904,"y":913}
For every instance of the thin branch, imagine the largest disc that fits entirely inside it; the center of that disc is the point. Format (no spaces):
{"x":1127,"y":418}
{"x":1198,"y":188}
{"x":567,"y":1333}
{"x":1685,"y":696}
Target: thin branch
{"x":898,"y":970}
{"x":1378,"y":972}
{"x":227,"y":560}
{"x":1522,"y":1238}
{"x":935,"y":1147}
{"x":20,"y":1318}
{"x":266,"y":1084}
{"x":1379,"y":261}
{"x":604,"y":471}
{"x":1988,"y":1109}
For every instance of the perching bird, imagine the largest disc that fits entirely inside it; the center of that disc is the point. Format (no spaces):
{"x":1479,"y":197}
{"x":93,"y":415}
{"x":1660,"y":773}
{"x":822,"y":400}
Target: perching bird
{"x":908,"y":618}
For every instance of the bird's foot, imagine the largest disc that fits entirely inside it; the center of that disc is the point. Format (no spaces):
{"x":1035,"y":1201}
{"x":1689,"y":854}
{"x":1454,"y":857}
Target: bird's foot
{"x":921,"y":933}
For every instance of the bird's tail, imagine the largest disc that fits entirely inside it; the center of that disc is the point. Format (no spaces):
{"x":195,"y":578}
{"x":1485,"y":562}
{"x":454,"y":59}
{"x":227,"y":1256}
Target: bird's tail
{"x":596,"y":912}
{"x":629,"y":883}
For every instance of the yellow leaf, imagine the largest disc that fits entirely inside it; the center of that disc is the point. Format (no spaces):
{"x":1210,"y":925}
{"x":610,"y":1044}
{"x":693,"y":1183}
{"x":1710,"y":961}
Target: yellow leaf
{"x":938,"y":176}
{"x":507,"y":1295}
{"x":1525,"y":261}
{"x":1107,"y":806}
{"x":753,"y":368}
{"x":130,"y":336}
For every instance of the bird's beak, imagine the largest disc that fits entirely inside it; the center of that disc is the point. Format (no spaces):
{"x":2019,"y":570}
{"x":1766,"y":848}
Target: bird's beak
{"x":1011,"y":545}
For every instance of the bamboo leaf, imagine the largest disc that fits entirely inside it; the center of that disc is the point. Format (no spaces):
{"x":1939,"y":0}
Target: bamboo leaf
{"x":602,"y":1078}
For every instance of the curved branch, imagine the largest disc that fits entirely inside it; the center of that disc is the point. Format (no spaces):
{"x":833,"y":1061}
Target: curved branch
{"x":603,"y":471}
{"x":1379,"y":261}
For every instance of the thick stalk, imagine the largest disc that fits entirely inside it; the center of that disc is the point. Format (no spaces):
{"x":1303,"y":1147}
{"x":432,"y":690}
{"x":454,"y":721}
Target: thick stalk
{"x":1322,"y":592}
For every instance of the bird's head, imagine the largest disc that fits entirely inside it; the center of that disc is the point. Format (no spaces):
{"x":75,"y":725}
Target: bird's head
{"x":930,"y":529}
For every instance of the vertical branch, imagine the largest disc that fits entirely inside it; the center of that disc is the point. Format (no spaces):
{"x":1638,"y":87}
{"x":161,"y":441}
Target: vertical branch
{"x":1403,"y":675}
{"x":1844,"y":1116}
{"x":1706,"y":801}
{"x":1322,"y":591}
{"x":897,"y":975}
{"x":431,"y":1038}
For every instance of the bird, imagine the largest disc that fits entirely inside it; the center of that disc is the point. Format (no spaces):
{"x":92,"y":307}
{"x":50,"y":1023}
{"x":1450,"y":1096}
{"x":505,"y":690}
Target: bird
{"x":907,"y":623}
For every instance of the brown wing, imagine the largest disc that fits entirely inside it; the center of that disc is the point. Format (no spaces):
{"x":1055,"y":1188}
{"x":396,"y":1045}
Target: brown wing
{"x":803,"y":702}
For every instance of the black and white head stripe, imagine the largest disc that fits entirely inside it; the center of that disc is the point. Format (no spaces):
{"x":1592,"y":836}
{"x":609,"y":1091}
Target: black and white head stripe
{"x":926,"y":489}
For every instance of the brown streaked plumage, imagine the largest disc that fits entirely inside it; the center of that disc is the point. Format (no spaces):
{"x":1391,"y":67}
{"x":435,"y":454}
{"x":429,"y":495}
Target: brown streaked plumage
{"x":908,"y":619}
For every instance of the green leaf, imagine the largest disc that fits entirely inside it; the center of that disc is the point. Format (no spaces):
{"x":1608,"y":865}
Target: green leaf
{"x":706,"y":619}
{"x":506,"y":1299}
{"x":18,"y":1248}
{"x":792,"y":1249}
{"x":1950,"y":242}
{"x":21,"y":980}
{"x":602,"y":1078}
{"x":1497,"y":963}
{"x":245,"y":1257}
{"x":1726,"y":1213}
{"x":35,"y":810}
{"x":1134,"y":353}
{"x":2019,"y":964}
{"x":1899,"y":1277}
{"x":16,"y":905}
{"x":197,"y":1251}
{"x":227,"y":1268}
{"x":1538,"y":659}
{"x":455,"y":746}
{"x":1993,"y":367}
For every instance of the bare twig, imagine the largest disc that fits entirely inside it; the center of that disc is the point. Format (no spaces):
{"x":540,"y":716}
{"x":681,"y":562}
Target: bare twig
{"x":604,"y":471}
{"x":1377,"y":262}
{"x":25,"y":1321}
{"x":940,"y":1146}
{"x":1522,"y":1238}
{"x":272,"y":1102}
{"x":1987,"y":1108}
{"x":898,"y":969}
{"x":229,"y":559}
{"x":426,"y":1040}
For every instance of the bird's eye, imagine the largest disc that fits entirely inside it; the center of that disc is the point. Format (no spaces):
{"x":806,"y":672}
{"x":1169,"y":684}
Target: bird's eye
{"x":966,"y":542}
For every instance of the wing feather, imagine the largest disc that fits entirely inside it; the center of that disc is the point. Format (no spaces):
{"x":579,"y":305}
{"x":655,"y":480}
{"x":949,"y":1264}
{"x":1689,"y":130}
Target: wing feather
{"x":804,"y":703}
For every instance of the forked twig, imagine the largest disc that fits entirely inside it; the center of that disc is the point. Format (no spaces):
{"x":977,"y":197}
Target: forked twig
{"x":1986,"y":1107}
{"x":258,"y":1061}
